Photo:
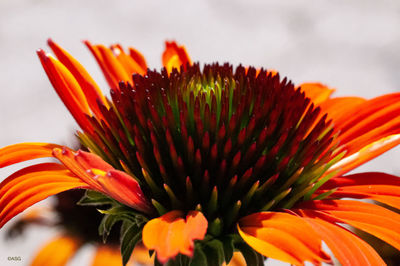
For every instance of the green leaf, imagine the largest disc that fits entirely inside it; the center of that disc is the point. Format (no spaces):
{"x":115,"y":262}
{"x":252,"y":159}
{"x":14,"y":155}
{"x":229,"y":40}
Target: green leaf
{"x":131,"y":236}
{"x":199,"y":257}
{"x":106,"y":225}
{"x":94,"y":198}
{"x":214,"y":250}
{"x":228,"y":243}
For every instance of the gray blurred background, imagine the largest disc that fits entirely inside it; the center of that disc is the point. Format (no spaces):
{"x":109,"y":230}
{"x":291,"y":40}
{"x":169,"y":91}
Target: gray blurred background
{"x":353,"y":46}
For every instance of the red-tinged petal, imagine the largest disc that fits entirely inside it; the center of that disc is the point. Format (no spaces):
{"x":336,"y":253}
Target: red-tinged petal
{"x":171,"y":234}
{"x":175,"y":56}
{"x":33,"y":184}
{"x":370,"y":218}
{"x":57,"y":252}
{"x":317,"y":92}
{"x":367,"y":153}
{"x":130,"y":65}
{"x":67,"y":88}
{"x":89,"y":87}
{"x":281,"y":236}
{"x":125,"y":189}
{"x":138,"y":57}
{"x":348,"y":248}
{"x":112,"y":69}
{"x":25,"y":151}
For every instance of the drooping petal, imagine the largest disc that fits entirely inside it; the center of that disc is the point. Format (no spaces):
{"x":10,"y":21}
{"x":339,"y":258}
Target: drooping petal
{"x":31,"y":185}
{"x":21,"y":152}
{"x":89,"y":87}
{"x":281,"y":236}
{"x":338,"y":108}
{"x":317,"y":92}
{"x":57,"y":252}
{"x":370,"y":218}
{"x":67,"y":88}
{"x":171,"y":234}
{"x":175,"y":56}
{"x":348,"y":248}
{"x":102,"y":177}
{"x":125,"y":189}
{"x":111,"y":67}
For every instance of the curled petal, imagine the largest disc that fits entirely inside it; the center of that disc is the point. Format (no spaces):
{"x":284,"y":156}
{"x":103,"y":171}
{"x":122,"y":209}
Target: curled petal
{"x":175,"y":56}
{"x":25,"y":151}
{"x":33,"y":184}
{"x":57,"y":252}
{"x":281,"y":236}
{"x":171,"y":234}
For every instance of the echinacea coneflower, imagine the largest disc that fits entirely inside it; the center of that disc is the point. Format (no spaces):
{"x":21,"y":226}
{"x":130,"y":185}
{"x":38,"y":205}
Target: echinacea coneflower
{"x":199,"y":162}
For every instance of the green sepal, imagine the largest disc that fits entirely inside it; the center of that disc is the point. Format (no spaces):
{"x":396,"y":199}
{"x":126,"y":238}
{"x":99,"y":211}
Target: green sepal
{"x":130,"y":235}
{"x":229,"y":246}
{"x":94,"y":198}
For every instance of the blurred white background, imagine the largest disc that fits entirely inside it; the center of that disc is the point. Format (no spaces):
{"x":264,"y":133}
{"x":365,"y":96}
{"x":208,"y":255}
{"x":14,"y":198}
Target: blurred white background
{"x":353,"y":46}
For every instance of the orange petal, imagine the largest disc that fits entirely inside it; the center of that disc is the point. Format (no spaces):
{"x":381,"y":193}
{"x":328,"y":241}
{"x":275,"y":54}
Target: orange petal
{"x":317,"y":92}
{"x":376,"y":186}
{"x":57,"y":252}
{"x":367,"y":153}
{"x":25,"y":151}
{"x":175,"y":56}
{"x":370,"y":218}
{"x":107,"y":255}
{"x":111,"y":67}
{"x":89,"y":87}
{"x":67,"y":88}
{"x":237,"y":260}
{"x":281,"y":236}
{"x":171,"y":234}
{"x":338,"y":109}
{"x":130,"y":65}
{"x":348,"y":248}
{"x":31,"y":185}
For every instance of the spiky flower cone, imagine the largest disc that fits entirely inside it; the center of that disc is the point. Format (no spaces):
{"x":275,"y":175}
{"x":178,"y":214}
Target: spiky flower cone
{"x":200,"y":162}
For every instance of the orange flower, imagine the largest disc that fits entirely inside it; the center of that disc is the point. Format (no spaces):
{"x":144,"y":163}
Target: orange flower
{"x":199,"y":163}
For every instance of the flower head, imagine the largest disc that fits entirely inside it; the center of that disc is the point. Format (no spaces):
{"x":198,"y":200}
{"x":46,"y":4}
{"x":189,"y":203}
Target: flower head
{"x":201,"y":161}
